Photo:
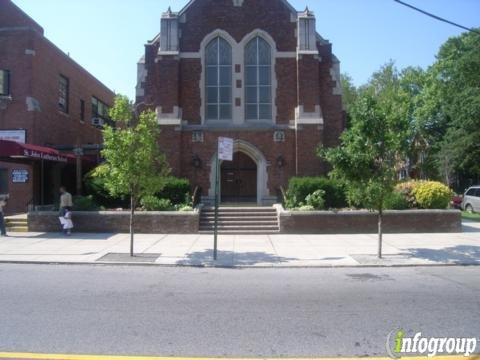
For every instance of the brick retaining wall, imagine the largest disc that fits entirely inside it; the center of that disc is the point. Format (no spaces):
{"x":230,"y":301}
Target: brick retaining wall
{"x":164,"y":222}
{"x":310,"y":222}
{"x":348,"y":222}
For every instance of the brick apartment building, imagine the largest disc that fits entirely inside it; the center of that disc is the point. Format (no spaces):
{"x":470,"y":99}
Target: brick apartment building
{"x":47,"y":102}
{"x":252,"y":70}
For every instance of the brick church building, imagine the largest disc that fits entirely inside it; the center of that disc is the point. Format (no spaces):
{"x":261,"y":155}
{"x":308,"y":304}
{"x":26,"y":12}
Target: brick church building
{"x":252,"y":70}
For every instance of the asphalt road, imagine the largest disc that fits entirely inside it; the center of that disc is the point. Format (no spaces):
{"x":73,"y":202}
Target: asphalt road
{"x":224,"y":312}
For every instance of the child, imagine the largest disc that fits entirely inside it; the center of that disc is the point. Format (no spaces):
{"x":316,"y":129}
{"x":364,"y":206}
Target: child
{"x":66,"y":221}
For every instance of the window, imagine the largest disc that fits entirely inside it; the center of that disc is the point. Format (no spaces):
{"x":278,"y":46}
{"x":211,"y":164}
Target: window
{"x":218,"y":55}
{"x":63,"y":94}
{"x":4,"y":83}
{"x":258,"y":82}
{"x":82,"y":110}
{"x":100,"y":109}
{"x":470,"y":192}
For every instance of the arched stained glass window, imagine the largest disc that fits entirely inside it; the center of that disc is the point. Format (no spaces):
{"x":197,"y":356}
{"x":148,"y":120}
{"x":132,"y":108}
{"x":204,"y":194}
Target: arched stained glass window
{"x":258,"y":80}
{"x":218,"y":56}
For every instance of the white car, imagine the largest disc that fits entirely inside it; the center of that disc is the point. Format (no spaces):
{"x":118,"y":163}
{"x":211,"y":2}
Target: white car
{"x":471,"y":199}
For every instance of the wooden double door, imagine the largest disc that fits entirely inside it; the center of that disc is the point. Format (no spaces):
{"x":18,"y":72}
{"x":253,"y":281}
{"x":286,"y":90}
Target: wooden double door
{"x":239,"y":179}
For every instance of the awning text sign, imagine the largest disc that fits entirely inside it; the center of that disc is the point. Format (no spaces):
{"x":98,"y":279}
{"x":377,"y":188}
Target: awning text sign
{"x":225,"y":149}
{"x":43,"y":156}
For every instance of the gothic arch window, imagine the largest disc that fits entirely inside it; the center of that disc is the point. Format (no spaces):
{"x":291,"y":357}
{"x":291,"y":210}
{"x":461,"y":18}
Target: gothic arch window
{"x":258,"y":80}
{"x":218,"y":62}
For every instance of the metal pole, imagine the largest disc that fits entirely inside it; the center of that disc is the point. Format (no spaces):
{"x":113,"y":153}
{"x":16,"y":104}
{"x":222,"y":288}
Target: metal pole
{"x":78,"y":173}
{"x":42,"y":183}
{"x":215,"y":226}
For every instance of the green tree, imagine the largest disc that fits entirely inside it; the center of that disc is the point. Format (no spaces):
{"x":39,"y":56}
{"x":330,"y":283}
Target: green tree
{"x":134,"y":165}
{"x":450,"y":111}
{"x":371,"y":148}
{"x":412,"y":83}
{"x":349,"y":94}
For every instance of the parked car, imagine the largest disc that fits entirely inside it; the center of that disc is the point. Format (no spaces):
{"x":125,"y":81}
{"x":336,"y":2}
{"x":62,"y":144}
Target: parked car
{"x":471,"y":199}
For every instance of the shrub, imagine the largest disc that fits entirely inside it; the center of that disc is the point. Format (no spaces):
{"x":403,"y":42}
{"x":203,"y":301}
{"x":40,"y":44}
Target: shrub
{"x":432,"y":195}
{"x":84,"y":203}
{"x":406,"y":189}
{"x":176,"y":190}
{"x":300,"y":187}
{"x":289,"y":200}
{"x":153,"y":203}
{"x":95,"y":186}
{"x":316,"y":200}
{"x":396,"y":201}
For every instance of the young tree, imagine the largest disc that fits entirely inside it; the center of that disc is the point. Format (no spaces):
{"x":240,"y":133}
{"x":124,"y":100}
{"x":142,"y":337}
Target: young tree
{"x":370,"y":150}
{"x":134,"y":164}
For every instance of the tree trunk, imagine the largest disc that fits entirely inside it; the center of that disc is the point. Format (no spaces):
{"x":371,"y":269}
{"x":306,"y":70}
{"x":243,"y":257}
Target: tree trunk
{"x":380,"y":233}
{"x":132,"y":213}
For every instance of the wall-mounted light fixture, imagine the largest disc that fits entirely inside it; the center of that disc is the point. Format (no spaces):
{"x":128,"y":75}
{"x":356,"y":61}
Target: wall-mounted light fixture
{"x":280,"y":161}
{"x":196,"y":162}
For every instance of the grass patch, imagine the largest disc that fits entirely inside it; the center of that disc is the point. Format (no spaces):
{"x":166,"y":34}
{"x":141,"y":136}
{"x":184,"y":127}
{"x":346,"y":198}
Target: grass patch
{"x":470,"y":216}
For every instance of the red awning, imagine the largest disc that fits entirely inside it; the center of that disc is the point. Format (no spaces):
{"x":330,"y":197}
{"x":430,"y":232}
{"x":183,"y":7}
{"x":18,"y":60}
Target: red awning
{"x":14,"y":150}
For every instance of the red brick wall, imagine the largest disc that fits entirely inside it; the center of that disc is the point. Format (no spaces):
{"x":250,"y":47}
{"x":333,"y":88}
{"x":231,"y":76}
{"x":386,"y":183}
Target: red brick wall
{"x":308,"y":83}
{"x":38,"y":76}
{"x":309,"y":138}
{"x":205,"y":16}
{"x":331,"y":104}
{"x":180,"y":155}
{"x":190,"y":102}
{"x":167,"y":75}
{"x":13,"y":58}
{"x":57,"y":127}
{"x":35,"y":73}
{"x":12,"y":16}
{"x":286,"y":99}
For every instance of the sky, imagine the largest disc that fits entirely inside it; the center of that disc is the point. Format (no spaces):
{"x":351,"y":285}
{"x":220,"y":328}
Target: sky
{"x":107,"y":37}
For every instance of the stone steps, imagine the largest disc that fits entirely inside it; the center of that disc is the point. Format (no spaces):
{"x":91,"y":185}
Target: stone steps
{"x":240,"y":220}
{"x":16,"y":224}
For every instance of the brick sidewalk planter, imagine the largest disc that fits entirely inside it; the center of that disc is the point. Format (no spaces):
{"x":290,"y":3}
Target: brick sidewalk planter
{"x":159,"y":222}
{"x":350,"y":222}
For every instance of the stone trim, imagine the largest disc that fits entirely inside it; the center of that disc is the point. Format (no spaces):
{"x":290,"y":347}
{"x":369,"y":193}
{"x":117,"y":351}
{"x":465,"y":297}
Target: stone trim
{"x":174,"y":118}
{"x":262,"y":174}
{"x":303,"y":117}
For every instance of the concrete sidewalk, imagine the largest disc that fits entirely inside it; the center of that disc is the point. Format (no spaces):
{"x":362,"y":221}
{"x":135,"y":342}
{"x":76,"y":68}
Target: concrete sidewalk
{"x":278,"y":250}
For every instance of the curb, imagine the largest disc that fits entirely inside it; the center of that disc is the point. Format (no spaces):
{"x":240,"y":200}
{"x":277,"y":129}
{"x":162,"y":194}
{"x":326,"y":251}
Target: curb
{"x":233,"y":267}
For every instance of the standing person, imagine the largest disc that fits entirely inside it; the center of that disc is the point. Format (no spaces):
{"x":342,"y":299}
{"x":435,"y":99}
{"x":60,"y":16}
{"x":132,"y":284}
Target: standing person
{"x":3,"y":203}
{"x":65,"y":200}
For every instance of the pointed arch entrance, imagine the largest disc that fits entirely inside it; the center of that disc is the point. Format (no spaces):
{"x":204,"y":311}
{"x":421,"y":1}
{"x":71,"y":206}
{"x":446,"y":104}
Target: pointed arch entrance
{"x":245,"y":178}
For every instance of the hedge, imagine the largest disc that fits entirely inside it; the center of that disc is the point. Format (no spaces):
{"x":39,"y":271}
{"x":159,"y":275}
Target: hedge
{"x":300,"y":187}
